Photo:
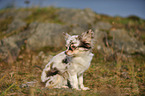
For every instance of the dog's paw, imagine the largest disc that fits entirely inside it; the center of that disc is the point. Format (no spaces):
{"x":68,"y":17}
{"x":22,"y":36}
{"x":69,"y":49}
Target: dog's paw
{"x":65,"y":87}
{"x":85,"y":88}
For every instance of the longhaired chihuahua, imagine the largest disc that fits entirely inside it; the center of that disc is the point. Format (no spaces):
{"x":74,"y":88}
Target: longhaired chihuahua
{"x":65,"y":70}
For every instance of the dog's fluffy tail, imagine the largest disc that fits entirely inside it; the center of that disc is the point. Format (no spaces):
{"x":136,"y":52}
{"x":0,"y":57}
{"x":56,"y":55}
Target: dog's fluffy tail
{"x":44,"y":72}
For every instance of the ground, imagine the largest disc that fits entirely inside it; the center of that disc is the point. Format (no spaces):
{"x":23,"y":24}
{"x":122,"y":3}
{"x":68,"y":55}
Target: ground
{"x":122,"y":76}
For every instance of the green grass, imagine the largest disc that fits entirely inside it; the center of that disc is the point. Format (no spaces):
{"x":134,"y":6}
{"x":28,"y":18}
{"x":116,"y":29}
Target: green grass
{"x":4,"y":25}
{"x":47,"y":15}
{"x":103,"y":77}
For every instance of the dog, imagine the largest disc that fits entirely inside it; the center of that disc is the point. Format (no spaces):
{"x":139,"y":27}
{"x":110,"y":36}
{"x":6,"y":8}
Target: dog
{"x":65,"y":70}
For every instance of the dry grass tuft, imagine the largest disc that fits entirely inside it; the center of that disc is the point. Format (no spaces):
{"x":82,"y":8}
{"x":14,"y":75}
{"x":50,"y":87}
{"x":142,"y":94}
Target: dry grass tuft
{"x":103,"y":77}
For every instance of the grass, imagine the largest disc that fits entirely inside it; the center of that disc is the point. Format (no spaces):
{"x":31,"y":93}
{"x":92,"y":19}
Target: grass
{"x":122,"y":77}
{"x":43,"y":15}
{"x":4,"y":25}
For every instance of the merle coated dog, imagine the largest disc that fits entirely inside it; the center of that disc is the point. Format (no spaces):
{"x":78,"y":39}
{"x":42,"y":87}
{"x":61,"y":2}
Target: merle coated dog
{"x":69,"y":66}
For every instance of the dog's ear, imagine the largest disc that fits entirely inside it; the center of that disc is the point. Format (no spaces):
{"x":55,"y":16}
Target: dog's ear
{"x":87,"y":36}
{"x":66,"y":35}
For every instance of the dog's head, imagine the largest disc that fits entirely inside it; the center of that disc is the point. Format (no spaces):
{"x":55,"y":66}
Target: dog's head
{"x":78,"y":44}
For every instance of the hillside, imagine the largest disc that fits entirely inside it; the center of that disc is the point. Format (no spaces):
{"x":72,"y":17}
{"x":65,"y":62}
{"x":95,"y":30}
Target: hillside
{"x":29,"y":38}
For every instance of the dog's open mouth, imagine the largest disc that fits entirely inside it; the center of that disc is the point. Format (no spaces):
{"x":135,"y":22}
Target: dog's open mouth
{"x":77,"y":49}
{"x":83,"y":45}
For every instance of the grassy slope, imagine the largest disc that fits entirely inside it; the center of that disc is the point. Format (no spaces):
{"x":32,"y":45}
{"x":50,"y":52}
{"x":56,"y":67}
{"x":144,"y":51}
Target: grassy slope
{"x":119,"y":76}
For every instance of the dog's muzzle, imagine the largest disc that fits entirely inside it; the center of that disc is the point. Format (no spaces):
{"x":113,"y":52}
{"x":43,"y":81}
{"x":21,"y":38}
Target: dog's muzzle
{"x":68,"y":52}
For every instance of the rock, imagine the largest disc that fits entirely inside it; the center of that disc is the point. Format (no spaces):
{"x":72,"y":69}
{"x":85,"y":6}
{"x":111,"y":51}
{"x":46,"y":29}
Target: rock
{"x":18,"y":17}
{"x":15,"y":25}
{"x":99,"y":36}
{"x":29,"y":84}
{"x":76,"y":16}
{"x":119,"y":40}
{"x":77,"y":30}
{"x":102,"y":25}
{"x":99,"y":42}
{"x":128,"y":44}
{"x":18,"y":22}
{"x":38,"y":35}
{"x":47,"y":34}
{"x":10,"y":47}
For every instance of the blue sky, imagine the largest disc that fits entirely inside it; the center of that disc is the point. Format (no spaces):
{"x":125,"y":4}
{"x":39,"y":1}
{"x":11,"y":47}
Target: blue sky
{"x":122,"y":8}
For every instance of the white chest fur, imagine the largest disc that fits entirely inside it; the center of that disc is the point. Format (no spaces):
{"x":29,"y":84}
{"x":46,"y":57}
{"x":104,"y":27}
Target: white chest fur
{"x":81,"y":63}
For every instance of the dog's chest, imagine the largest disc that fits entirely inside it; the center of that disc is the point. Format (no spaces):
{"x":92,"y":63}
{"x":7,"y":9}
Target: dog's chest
{"x":80,"y":64}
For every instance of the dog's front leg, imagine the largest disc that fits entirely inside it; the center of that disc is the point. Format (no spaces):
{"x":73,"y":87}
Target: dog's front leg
{"x":81,"y":82}
{"x":74,"y":81}
{"x":44,"y":75}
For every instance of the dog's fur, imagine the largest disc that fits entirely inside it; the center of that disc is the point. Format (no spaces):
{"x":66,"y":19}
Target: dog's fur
{"x":67,"y":68}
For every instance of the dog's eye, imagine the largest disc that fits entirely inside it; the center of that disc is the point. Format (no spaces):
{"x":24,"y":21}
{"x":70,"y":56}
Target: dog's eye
{"x":73,"y":47}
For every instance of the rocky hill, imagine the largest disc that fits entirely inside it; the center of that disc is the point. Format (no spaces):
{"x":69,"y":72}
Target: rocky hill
{"x":39,"y":28}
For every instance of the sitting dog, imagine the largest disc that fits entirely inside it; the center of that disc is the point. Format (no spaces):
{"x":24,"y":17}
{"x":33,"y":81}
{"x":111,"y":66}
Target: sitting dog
{"x":66,"y":69}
